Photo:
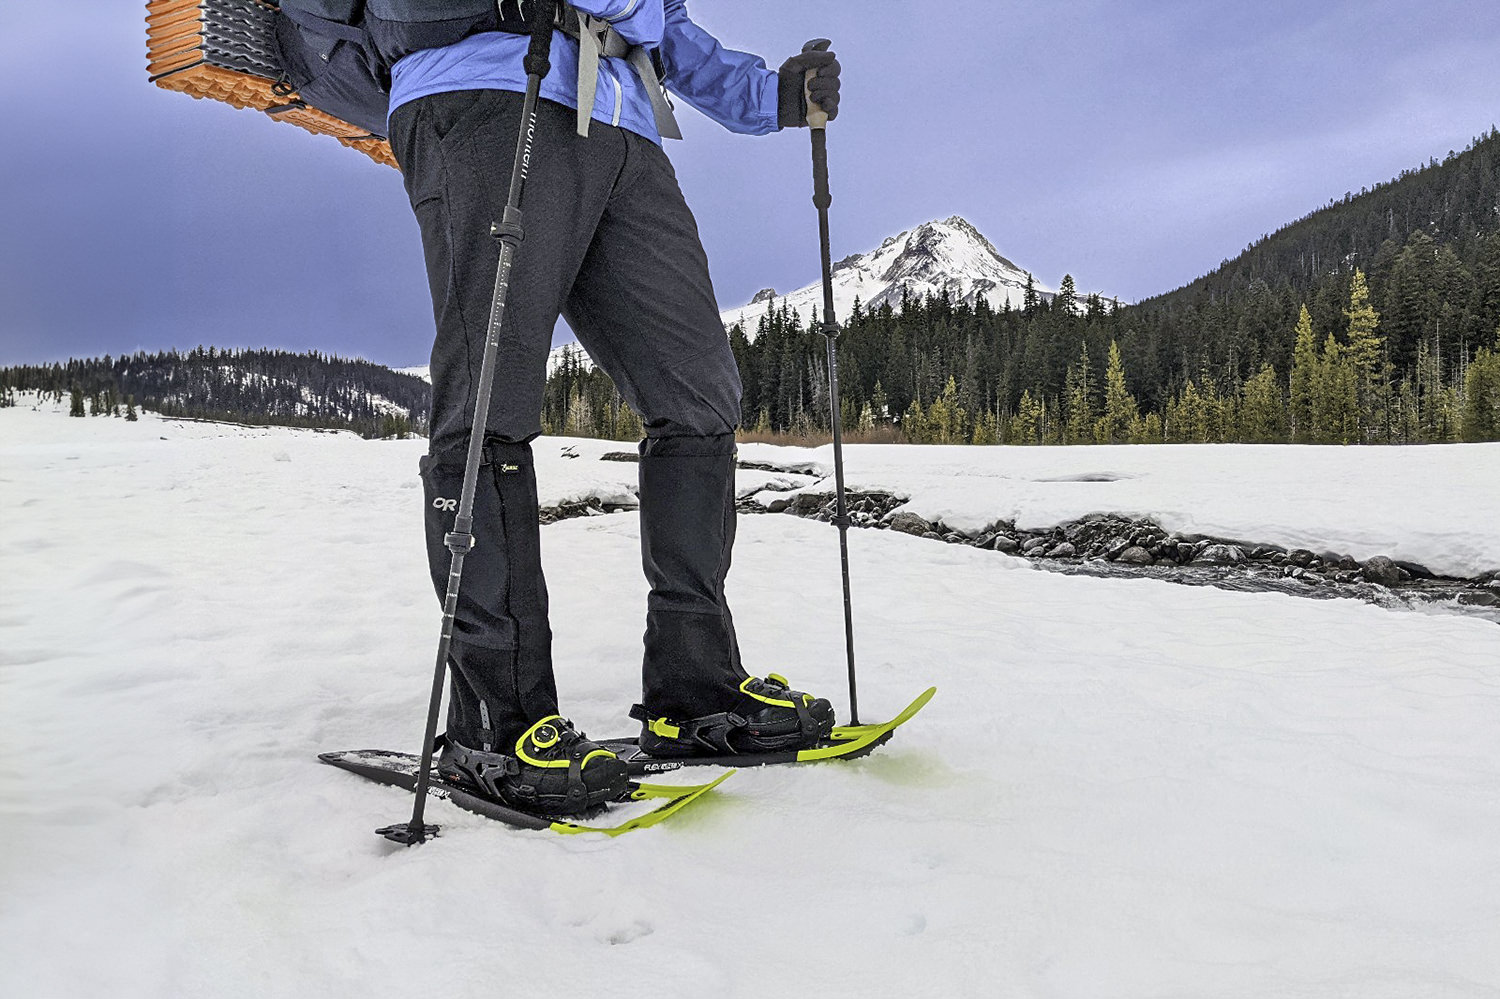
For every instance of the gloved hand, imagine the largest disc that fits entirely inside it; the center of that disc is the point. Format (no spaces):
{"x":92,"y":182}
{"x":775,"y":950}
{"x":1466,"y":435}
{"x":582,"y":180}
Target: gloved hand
{"x":792,"y":79}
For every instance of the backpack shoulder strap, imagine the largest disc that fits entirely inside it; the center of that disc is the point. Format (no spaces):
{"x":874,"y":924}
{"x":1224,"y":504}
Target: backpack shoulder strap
{"x":315,"y":22}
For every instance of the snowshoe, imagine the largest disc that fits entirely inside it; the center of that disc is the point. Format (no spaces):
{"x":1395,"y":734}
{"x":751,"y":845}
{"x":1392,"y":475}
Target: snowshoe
{"x":770,"y":717}
{"x":556,"y":770}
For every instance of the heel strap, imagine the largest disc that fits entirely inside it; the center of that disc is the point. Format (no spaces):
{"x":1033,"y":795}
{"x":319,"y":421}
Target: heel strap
{"x":712,"y":732}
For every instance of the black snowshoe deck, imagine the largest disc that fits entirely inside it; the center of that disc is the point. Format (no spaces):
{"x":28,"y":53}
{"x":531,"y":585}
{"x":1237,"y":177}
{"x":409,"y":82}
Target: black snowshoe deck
{"x":846,"y":742}
{"x":400,"y":770}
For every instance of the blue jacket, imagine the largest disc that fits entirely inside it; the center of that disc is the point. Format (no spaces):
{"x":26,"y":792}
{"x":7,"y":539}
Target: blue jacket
{"x":733,"y":88}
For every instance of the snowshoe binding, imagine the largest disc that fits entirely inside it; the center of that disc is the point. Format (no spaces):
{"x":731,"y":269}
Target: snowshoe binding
{"x":556,"y":770}
{"x":770,"y":717}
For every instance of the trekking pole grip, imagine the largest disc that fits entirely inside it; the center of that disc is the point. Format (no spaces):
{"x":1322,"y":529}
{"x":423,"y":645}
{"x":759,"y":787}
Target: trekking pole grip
{"x":816,"y":116}
{"x":539,"y":55}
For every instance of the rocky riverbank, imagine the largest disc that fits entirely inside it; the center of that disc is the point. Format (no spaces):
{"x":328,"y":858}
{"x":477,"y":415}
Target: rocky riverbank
{"x":1111,"y":546}
{"x":1119,"y":547}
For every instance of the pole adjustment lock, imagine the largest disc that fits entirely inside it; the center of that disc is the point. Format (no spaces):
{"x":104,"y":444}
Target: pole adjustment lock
{"x":507,"y":231}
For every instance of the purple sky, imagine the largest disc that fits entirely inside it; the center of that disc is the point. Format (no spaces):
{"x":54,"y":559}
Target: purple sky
{"x":1132,"y":144}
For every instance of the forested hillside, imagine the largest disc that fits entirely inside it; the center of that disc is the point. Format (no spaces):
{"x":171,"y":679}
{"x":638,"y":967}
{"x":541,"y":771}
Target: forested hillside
{"x":1405,"y":353}
{"x":244,"y":386}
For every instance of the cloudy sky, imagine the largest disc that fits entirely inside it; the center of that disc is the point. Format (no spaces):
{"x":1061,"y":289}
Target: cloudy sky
{"x":1132,"y":143}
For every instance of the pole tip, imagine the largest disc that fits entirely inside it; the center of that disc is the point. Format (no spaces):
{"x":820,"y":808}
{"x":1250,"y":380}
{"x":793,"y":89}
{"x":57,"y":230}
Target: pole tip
{"x":408,"y":833}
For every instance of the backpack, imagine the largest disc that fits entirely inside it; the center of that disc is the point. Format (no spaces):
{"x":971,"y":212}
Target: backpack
{"x":336,"y":55}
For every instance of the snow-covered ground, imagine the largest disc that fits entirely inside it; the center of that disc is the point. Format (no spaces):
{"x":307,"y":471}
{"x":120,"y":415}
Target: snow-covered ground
{"x":1124,"y":788}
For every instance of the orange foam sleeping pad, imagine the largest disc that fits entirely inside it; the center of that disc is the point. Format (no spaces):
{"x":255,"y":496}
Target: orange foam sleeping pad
{"x":222,"y":50}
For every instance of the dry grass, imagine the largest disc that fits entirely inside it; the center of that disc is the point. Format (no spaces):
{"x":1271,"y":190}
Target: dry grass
{"x":880,"y":435}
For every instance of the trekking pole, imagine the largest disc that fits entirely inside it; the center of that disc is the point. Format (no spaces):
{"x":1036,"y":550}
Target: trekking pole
{"x":817,"y":120}
{"x":461,"y":539}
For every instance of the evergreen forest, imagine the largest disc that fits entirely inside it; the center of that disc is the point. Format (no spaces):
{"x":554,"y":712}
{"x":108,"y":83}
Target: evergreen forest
{"x":257,"y":387}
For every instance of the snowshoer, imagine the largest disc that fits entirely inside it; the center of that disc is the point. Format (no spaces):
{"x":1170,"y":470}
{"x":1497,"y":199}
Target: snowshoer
{"x":610,"y":245}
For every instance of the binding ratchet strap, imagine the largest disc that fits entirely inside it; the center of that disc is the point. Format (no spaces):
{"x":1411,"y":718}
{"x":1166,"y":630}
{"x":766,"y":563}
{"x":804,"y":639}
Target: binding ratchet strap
{"x":711,"y":731}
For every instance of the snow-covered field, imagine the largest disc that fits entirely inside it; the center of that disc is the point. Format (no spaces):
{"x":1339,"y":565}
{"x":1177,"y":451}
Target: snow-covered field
{"x":1124,"y":788}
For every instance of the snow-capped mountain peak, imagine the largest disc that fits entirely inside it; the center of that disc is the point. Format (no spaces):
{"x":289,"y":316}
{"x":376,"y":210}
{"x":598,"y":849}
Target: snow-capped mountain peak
{"x":950,"y":256}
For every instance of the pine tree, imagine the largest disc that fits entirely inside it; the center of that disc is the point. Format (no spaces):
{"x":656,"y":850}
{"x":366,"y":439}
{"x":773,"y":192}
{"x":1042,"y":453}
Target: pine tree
{"x":1262,"y":413}
{"x":1437,"y":403}
{"x":914,"y":424}
{"x":986,"y":429}
{"x":1079,"y":399}
{"x":1147,"y":430}
{"x":628,"y":425}
{"x":1407,"y":419}
{"x":1305,"y":372}
{"x":75,"y":402}
{"x":1190,"y":417}
{"x":1481,"y":400}
{"x":1030,"y":300}
{"x":1120,"y":409}
{"x":1485,"y":298}
{"x":880,"y":406}
{"x":945,"y":419}
{"x":579,"y":418}
{"x":1066,"y":301}
{"x":1336,"y":407}
{"x":1365,"y":353}
{"x":1226,"y":415}
{"x":1029,"y":424}
{"x":958,"y":415}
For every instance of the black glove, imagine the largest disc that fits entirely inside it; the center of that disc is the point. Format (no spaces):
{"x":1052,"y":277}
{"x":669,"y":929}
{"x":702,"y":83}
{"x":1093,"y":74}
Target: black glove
{"x":792,"y":80}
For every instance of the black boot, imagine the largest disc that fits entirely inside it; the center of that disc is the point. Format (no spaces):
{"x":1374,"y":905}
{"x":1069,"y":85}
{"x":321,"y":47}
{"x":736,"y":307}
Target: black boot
{"x":553,"y":770}
{"x":769,"y":717}
{"x":692,"y":659}
{"x":501,"y":658}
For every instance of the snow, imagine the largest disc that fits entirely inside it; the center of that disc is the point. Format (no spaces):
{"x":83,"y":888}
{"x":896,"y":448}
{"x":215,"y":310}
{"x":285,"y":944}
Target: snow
{"x":1123,"y":788}
{"x":1438,"y":505}
{"x":938,"y":256}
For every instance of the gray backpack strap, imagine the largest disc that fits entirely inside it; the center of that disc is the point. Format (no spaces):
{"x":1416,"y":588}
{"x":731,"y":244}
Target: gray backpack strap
{"x":666,"y":121}
{"x":596,"y":40}
{"x":593,"y":35}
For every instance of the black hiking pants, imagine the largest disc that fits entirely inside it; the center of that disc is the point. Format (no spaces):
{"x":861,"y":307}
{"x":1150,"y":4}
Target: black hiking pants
{"x":610,"y":245}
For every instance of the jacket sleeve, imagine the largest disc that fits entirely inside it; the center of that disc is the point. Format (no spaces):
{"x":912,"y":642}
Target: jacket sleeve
{"x":639,"y":21}
{"x":733,"y":88}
